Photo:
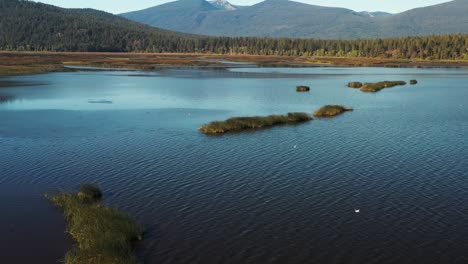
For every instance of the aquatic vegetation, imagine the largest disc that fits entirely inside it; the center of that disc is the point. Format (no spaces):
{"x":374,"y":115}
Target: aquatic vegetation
{"x":90,"y":192}
{"x":331,"y":110}
{"x":102,"y":235}
{"x":103,"y":101}
{"x":302,"y":88}
{"x":355,"y":84}
{"x":378,"y":86}
{"x":413,"y":82}
{"x":5,"y":98}
{"x":255,"y":122}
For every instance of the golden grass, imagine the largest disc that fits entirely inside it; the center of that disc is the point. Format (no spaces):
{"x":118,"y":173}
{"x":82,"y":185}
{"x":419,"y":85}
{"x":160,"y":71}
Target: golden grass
{"x":255,"y":122}
{"x":102,"y":235}
{"x":378,"y":86}
{"x":331,"y":110}
{"x":302,"y":88}
{"x":355,"y":84}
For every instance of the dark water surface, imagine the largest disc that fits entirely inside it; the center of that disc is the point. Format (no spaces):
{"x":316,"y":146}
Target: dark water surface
{"x":400,"y":157}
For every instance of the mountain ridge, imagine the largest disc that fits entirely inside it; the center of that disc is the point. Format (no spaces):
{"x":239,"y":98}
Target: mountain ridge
{"x":284,"y":18}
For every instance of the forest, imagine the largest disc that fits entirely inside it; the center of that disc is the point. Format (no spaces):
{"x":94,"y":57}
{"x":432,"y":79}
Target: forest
{"x":30,"y":26}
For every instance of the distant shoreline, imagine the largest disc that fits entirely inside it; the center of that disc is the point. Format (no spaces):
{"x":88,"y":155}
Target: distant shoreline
{"x":21,"y":63}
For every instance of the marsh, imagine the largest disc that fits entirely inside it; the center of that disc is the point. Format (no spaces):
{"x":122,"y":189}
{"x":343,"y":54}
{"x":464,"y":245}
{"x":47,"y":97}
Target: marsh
{"x":282,"y":195}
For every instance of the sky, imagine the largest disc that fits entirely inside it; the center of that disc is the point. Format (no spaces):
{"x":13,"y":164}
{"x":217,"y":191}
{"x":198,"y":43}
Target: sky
{"x":121,"y":6}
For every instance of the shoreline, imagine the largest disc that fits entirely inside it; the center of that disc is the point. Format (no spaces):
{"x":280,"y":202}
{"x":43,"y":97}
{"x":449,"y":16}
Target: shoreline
{"x":23,"y":63}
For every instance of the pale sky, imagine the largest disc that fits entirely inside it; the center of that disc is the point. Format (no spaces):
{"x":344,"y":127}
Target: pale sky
{"x":121,"y":6}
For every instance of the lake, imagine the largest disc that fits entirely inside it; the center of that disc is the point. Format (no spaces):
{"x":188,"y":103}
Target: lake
{"x":281,"y":195}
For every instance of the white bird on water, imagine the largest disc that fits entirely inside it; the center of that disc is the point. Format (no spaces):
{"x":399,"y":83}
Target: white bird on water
{"x":357,"y":210}
{"x":295,"y":146}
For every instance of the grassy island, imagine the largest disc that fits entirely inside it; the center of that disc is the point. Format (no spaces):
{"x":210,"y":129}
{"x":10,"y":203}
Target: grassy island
{"x":302,"y":88}
{"x":413,"y":82}
{"x":331,"y":110}
{"x":255,"y":122}
{"x":102,"y":235}
{"x":355,"y":84}
{"x":378,"y":86}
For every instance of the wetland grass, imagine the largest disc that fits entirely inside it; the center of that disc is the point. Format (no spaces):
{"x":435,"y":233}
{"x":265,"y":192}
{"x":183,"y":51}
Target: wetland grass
{"x":101,"y":234}
{"x":331,"y":110}
{"x":374,"y":87}
{"x":355,"y":84}
{"x":237,"y":124}
{"x":302,"y":88}
{"x":378,"y":86}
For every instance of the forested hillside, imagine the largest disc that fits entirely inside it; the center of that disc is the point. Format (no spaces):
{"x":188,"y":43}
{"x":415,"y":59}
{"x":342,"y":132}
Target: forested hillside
{"x":432,"y":47}
{"x":33,"y":26}
{"x":26,"y":25}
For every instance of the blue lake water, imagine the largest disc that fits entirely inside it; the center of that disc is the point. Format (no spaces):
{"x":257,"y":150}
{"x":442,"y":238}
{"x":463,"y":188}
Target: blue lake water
{"x":401,"y":158}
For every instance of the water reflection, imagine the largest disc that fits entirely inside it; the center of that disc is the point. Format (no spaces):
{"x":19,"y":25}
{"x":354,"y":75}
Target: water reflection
{"x":14,"y":83}
{"x":100,"y":101}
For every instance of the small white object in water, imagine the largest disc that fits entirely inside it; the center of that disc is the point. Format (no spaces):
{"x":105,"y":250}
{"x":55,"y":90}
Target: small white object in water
{"x":295,"y":146}
{"x":357,"y":210}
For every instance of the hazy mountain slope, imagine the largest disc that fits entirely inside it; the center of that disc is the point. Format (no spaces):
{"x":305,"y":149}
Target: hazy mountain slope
{"x":223,"y":5}
{"x":446,"y":18}
{"x":274,"y":18}
{"x":182,"y":15}
{"x":375,"y":14}
{"x":283,"y":18}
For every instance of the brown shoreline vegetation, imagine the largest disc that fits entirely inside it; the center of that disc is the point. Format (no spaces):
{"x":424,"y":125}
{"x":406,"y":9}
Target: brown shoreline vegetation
{"x":237,"y":124}
{"x":17,"y":63}
{"x":101,"y":234}
{"x":331,"y":110}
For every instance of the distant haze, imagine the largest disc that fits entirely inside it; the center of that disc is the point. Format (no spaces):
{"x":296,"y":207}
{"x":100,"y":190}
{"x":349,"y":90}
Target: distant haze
{"x":121,"y":6}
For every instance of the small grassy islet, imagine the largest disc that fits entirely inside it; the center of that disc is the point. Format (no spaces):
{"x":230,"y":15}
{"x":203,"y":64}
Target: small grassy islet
{"x":375,"y":87}
{"x":254,"y":122}
{"x":331,"y":110}
{"x":101,"y":234}
{"x":302,"y":88}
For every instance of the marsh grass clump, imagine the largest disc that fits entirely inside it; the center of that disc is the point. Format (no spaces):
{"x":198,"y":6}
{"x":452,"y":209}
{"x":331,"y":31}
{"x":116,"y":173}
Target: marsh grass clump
{"x":90,"y":193}
{"x":101,"y":234}
{"x":413,"y":82}
{"x":331,"y":110}
{"x":355,"y":84}
{"x":378,"y":86}
{"x":255,"y":122}
{"x":302,"y":88}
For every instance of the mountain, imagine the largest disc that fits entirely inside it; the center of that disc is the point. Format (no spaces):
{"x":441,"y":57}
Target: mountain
{"x":375,"y":14}
{"x":36,"y":26}
{"x":283,"y":18}
{"x":223,"y":5}
{"x":446,"y":18}
{"x":182,"y":15}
